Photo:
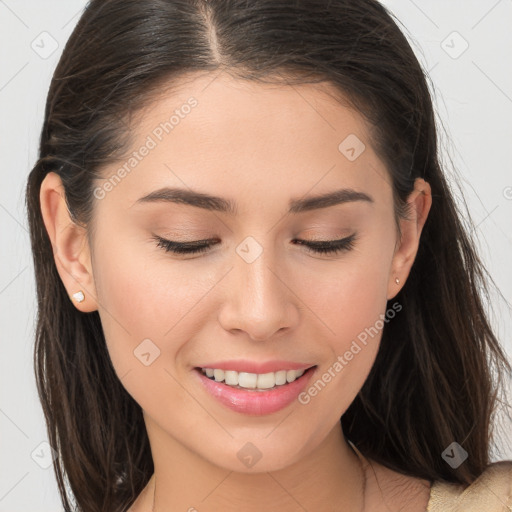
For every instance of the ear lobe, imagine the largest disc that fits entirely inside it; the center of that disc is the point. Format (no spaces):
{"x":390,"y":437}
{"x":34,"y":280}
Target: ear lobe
{"x":419,"y":203}
{"x":69,"y":242}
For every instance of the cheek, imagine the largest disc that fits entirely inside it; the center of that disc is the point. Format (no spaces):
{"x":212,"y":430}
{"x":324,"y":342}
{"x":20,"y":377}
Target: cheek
{"x":148,"y":311}
{"x":351,"y":306}
{"x":350,"y":301}
{"x":350,"y":294}
{"x":143,"y":297}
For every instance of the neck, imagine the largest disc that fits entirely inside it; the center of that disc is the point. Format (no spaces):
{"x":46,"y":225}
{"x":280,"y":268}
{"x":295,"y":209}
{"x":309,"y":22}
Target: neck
{"x":330,"y":473}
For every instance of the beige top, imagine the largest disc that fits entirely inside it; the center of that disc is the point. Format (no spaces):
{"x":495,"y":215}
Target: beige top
{"x":490,"y":492}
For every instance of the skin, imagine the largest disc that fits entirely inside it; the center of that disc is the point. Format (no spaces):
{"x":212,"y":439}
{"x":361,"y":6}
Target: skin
{"x":260,"y":146}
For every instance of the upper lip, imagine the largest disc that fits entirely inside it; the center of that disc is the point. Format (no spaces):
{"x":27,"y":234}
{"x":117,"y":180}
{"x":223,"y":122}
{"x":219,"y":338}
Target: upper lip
{"x":243,"y":365}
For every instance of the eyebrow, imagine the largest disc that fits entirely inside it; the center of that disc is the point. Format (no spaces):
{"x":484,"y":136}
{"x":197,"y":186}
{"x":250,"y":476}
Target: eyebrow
{"x":220,"y":204}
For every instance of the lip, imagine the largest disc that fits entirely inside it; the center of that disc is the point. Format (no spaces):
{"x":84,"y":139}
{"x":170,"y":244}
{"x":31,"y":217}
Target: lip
{"x":252,"y":402}
{"x":244,"y":365}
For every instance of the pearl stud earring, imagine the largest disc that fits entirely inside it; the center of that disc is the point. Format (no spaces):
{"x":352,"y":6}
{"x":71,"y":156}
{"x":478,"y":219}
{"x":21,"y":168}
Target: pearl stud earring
{"x":79,"y":296}
{"x":397,"y":281}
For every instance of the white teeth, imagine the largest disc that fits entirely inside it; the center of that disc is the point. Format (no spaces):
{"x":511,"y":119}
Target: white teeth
{"x":231,"y":377}
{"x":280,"y":377}
{"x":218,"y":375}
{"x":266,"y":380}
{"x":253,"y":380}
{"x":247,"y":380}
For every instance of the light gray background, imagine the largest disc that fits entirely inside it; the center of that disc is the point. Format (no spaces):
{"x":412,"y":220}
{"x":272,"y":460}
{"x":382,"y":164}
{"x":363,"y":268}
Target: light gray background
{"x":473,"y":94}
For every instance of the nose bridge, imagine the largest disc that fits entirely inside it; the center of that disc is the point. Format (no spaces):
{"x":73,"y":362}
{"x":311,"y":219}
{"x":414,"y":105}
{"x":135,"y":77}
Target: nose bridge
{"x":258,"y":282}
{"x":259,"y":303}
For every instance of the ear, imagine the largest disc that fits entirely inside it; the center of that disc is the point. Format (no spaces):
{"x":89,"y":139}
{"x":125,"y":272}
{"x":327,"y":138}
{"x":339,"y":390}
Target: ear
{"x":418,"y":204}
{"x":69,"y":242}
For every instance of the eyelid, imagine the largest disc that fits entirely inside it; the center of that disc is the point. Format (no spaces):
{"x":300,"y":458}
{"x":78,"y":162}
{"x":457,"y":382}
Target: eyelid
{"x":329,"y":247}
{"x":325,"y":247}
{"x":182,"y":247}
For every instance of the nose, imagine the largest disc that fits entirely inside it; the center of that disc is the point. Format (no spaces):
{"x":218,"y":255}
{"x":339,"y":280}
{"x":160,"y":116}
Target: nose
{"x":259,"y":298}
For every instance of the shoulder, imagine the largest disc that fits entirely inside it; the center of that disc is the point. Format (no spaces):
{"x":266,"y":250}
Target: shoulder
{"x":490,"y":492}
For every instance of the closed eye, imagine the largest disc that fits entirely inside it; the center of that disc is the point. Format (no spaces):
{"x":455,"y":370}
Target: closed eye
{"x":193,"y":247}
{"x":329,"y":246}
{"x":199,"y":246}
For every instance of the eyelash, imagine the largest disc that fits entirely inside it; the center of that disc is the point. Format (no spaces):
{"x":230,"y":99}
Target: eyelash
{"x":198,"y":246}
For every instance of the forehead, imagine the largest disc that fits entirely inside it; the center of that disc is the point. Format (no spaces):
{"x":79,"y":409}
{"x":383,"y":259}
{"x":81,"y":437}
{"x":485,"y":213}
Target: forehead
{"x":220,"y":134}
{"x":228,"y":103}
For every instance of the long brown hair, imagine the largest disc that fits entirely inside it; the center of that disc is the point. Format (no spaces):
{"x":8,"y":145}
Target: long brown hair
{"x":432,"y":382}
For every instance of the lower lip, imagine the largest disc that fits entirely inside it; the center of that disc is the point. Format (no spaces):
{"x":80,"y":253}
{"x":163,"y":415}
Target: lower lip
{"x":256,"y":403}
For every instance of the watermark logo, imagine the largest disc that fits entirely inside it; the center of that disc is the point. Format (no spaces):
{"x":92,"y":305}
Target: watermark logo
{"x":43,"y":455}
{"x":351,"y":147}
{"x":454,"y":45}
{"x":45,"y":45}
{"x":249,"y":249}
{"x":249,"y":455}
{"x":146,"y":352}
{"x":454,"y":455}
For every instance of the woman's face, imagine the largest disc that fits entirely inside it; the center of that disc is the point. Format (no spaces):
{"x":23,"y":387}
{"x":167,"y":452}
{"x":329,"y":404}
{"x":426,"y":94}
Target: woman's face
{"x":256,"y":301}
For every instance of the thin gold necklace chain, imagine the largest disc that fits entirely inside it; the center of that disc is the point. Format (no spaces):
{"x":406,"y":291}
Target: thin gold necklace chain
{"x":352,"y":447}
